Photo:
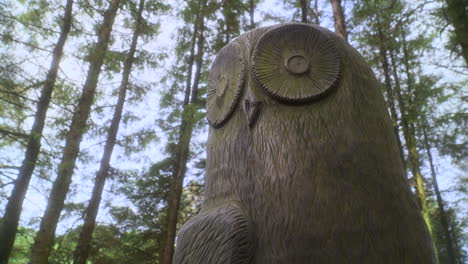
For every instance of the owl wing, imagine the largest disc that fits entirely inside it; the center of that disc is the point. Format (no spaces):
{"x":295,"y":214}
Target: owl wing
{"x":219,"y":235}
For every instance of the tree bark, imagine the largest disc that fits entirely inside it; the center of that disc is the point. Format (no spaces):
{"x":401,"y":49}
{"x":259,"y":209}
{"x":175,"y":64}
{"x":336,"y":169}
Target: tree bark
{"x":252,"y":14}
{"x":84,"y":242}
{"x":413,"y":155}
{"x":458,"y":17}
{"x":316,"y":13}
{"x":14,"y":206}
{"x":411,"y":144}
{"x":45,"y":237}
{"x":191,"y":57}
{"x":228,"y":15}
{"x":183,"y":148}
{"x":389,"y":89}
{"x":401,"y":102}
{"x":339,"y":18}
{"x":440,"y":202}
{"x":199,"y":60}
{"x":7,"y":131}
{"x":304,"y":6}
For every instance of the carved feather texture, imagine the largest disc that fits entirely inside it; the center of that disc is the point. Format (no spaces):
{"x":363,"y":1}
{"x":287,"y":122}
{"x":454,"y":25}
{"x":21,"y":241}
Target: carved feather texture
{"x":219,"y":235}
{"x":319,"y":180}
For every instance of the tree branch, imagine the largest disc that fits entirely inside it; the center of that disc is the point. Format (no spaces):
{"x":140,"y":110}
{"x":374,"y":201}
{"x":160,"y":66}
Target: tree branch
{"x":13,"y":133}
{"x":9,"y":167}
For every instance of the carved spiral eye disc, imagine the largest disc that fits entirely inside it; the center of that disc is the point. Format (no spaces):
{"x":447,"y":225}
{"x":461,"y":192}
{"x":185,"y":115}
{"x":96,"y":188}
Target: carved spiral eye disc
{"x":224,"y":85}
{"x":296,"y":63}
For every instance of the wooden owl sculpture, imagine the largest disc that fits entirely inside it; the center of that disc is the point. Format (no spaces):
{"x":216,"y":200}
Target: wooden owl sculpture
{"x":302,"y":162}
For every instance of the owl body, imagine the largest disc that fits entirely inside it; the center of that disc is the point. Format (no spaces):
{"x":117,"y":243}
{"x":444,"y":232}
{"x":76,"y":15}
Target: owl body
{"x":306,"y":175}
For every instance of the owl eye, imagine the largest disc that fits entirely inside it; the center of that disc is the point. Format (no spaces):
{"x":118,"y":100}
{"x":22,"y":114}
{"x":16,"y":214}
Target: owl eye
{"x":224,"y":84}
{"x":295,"y":63}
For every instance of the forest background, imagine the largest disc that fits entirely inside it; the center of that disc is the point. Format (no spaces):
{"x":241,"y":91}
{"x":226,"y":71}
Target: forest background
{"x":102,"y":128}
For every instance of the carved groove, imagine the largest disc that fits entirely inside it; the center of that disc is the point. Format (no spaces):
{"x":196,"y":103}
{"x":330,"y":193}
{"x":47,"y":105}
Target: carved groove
{"x":220,"y":235}
{"x":296,"y":63}
{"x":224,"y":85}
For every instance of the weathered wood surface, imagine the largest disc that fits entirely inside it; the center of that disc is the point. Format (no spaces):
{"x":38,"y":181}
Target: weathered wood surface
{"x":302,"y":162}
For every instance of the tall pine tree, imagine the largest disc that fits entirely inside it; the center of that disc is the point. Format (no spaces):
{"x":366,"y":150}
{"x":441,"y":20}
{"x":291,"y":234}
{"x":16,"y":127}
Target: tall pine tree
{"x":13,"y":209}
{"x":184,"y":134}
{"x":45,"y":237}
{"x":84,"y":242}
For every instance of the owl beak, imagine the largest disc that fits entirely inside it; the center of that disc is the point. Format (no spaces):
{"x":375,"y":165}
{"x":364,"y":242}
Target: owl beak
{"x":251,"y":109}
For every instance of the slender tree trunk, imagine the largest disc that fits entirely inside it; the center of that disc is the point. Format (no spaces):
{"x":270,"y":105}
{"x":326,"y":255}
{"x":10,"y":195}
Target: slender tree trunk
{"x":389,"y":89}
{"x":191,"y":58}
{"x":165,"y":256}
{"x":316,"y":13}
{"x":45,"y":237}
{"x":11,"y":217}
{"x":339,"y":18}
{"x":457,"y":15}
{"x":84,"y":242}
{"x":401,"y":102}
{"x":182,"y":153}
{"x":252,"y":14}
{"x":408,"y":135}
{"x":199,"y":61}
{"x":440,"y":202}
{"x":304,"y":6}
{"x":227,"y":12}
{"x":413,"y":155}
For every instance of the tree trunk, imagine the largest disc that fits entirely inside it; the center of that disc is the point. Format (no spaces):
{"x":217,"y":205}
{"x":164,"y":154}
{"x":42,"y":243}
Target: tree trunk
{"x":183,"y":148}
{"x":440,"y":202}
{"x":252,"y":14}
{"x":458,"y":17}
{"x":228,"y":15}
{"x":316,"y":13}
{"x":11,"y":217}
{"x":401,"y":102}
{"x":45,"y":237}
{"x":389,"y":89}
{"x":304,"y":6}
{"x":199,"y":61}
{"x":413,"y":155}
{"x":84,"y":242}
{"x":339,"y":18}
{"x":191,"y":58}
{"x":411,"y":143}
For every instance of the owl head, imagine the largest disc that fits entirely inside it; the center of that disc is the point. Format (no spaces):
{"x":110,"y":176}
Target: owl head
{"x":290,"y":64}
{"x":293,"y":99}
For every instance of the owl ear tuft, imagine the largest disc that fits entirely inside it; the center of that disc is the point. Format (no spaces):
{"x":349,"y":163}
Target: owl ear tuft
{"x":296,"y":63}
{"x":225,"y":83}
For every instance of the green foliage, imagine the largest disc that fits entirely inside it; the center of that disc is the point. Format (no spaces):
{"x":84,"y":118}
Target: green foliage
{"x":230,"y":23}
{"x":138,"y":141}
{"x":452,"y":136}
{"x":149,"y":194}
{"x":387,"y":32}
{"x":14,"y":102}
{"x":22,"y":247}
{"x":110,"y":245}
{"x":458,"y":225}
{"x":314,"y":15}
{"x":62,"y":252}
{"x":114,"y":61}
